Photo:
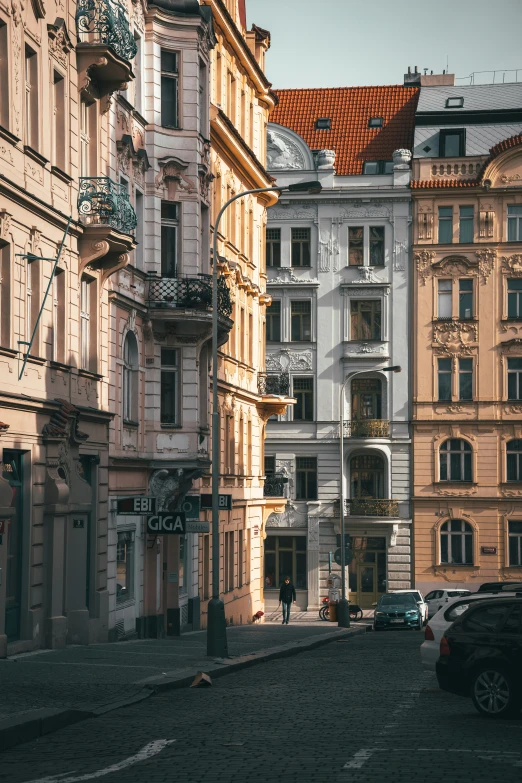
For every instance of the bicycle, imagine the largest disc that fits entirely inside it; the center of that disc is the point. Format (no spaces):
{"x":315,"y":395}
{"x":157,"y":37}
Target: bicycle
{"x":356,"y":613}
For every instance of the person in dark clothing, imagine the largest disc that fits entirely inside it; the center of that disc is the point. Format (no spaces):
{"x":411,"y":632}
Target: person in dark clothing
{"x":286,"y":596}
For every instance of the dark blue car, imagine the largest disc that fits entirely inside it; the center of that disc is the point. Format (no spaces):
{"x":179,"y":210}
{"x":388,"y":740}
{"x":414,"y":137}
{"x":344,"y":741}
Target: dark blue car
{"x":397,"y":610}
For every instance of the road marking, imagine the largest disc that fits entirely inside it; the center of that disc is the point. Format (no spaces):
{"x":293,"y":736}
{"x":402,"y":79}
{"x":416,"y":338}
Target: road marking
{"x":360,"y":758}
{"x":152,"y":749}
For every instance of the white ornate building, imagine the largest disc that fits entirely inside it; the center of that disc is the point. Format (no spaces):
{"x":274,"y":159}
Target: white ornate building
{"x":338,"y":273}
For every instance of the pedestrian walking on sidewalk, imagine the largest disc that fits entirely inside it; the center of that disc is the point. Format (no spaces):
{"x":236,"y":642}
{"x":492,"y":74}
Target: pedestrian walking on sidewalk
{"x":286,"y":596}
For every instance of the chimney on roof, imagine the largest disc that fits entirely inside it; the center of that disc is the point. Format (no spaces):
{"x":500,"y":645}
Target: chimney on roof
{"x":417,"y":79}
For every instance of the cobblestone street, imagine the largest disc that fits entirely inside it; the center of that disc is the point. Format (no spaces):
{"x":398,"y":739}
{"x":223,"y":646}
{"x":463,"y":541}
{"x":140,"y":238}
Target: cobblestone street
{"x":359,"y":710}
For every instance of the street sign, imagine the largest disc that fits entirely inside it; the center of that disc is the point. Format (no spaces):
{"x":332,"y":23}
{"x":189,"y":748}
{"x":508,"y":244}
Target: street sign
{"x":225,"y":502}
{"x":136,"y":505}
{"x":348,"y":556}
{"x":191,"y":506}
{"x":197,"y":527}
{"x":167,"y":523}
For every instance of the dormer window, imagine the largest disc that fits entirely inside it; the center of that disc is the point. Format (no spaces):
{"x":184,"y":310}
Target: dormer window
{"x":454,"y":103}
{"x":378,"y":167}
{"x":452,"y":143}
{"x":323,"y":123}
{"x":375,"y":122}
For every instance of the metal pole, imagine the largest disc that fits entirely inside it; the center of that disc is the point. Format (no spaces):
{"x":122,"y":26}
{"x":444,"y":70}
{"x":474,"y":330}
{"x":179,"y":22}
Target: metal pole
{"x":217,"y":627}
{"x":343,"y":611}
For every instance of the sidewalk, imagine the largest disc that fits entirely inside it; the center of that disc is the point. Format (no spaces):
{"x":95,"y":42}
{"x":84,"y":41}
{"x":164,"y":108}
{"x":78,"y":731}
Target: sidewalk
{"x":52,"y":688}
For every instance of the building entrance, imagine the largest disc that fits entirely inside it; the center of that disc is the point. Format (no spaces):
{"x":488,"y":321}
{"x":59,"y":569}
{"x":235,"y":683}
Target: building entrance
{"x":367,"y":571}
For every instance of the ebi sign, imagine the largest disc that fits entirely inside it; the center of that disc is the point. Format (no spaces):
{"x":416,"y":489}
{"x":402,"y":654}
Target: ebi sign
{"x":167,"y":524}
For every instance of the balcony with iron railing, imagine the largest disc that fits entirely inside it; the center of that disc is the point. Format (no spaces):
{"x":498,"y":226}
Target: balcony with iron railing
{"x":274,"y":391}
{"x":373,"y":507}
{"x":275,"y":485}
{"x":108,"y":220}
{"x":105,"y":46}
{"x":367,"y":428}
{"x":186,"y":302}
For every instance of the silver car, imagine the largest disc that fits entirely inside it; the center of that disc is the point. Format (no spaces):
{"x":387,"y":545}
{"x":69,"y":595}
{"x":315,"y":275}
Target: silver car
{"x":437,"y":598}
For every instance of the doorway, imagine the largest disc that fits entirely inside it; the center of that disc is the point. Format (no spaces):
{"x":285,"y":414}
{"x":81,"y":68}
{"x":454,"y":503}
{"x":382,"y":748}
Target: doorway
{"x":367,"y":571}
{"x":12,"y":467}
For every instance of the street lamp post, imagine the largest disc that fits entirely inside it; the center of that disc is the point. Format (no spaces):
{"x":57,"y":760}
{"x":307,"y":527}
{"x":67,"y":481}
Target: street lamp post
{"x":216,"y":622}
{"x":343,"y":610}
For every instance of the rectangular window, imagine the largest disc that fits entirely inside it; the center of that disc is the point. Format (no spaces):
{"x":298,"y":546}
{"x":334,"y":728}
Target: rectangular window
{"x":514,"y":460}
{"x":125,"y":567}
{"x":445,"y":225}
{"x":466,"y":224}
{"x":5,"y":295}
{"x":231,"y":98}
{"x":444,"y":379}
{"x":444,"y":299}
{"x":229,"y":561}
{"x":365,"y":320}
{"x":515,"y":379}
{"x":139,"y":257}
{"x":240,"y":558}
{"x":169,"y":402}
{"x":376,"y":245}
{"x":273,"y":247}
{"x":206,"y":567}
{"x":85,"y":139}
{"x":378,"y":167}
{"x":203,"y":100}
{"x":31,"y":98}
{"x":182,"y":568}
{"x":452,"y":143}
{"x":250,"y":339}
{"x":59,"y":140}
{"x":515,"y":223}
{"x":169,"y":89}
{"x":515,"y":542}
{"x":303,"y":391}
{"x":270,"y":466}
{"x":514,"y":309}
{"x":169,"y":239}
{"x":465,"y":299}
{"x":138,"y":78}
{"x":4,"y":76}
{"x":465,"y":379}
{"x":300,"y":247}
{"x":301,"y":320}
{"x":285,"y":556}
{"x":273,"y":322}
{"x":58,"y":316}
{"x":85,"y":323}
{"x":306,"y":478}
{"x":356,"y":246}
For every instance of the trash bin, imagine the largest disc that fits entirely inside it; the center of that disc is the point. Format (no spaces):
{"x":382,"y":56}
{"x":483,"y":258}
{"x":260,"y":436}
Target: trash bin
{"x":332,"y":612}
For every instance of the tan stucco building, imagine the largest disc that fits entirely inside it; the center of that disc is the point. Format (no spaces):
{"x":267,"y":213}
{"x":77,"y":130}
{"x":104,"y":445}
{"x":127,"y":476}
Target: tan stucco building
{"x":467,"y":335}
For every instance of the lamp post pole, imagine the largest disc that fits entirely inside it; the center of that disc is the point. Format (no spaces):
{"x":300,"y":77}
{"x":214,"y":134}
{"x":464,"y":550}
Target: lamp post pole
{"x":343,"y":611}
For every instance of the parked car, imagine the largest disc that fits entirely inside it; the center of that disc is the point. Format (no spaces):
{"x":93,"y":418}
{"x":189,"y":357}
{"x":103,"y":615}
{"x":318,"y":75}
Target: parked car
{"x":499,"y":587}
{"x":437,"y":598}
{"x":481,"y":657}
{"x":419,"y":600}
{"x":442,"y":620}
{"x":396,"y":610}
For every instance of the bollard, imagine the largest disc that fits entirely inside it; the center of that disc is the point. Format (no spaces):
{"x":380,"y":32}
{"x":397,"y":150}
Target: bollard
{"x":332,"y":612}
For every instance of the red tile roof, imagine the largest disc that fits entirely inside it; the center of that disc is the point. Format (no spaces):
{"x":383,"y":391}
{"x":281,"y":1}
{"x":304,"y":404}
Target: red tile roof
{"x":349,"y":109}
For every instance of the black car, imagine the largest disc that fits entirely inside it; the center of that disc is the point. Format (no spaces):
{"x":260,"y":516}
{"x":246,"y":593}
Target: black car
{"x":499,"y":587}
{"x":481,"y":657}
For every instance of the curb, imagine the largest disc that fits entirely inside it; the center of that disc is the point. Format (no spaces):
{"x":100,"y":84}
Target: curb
{"x":38,"y":723}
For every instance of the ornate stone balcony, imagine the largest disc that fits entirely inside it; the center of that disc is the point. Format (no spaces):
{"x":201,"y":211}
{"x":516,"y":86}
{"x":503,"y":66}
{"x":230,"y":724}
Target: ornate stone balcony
{"x":373,"y":507}
{"x":108,"y":220}
{"x":367,"y":428}
{"x":186,"y":303}
{"x":275,"y":485}
{"x":106,"y":46}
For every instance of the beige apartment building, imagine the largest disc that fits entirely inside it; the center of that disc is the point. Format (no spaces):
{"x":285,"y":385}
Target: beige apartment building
{"x":467,"y":335}
{"x":56,"y":75}
{"x":241,"y":100}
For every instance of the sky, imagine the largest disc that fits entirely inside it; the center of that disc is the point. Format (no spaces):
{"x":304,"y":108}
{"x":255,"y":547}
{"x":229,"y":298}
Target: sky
{"x":340,"y":43}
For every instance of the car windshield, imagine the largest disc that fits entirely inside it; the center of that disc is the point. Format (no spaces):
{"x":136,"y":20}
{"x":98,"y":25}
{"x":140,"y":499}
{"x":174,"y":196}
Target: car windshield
{"x":456,"y":593}
{"x":399,"y":599}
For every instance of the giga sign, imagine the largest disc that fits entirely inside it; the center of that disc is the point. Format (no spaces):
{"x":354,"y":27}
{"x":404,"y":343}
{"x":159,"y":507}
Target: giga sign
{"x":167,"y":524}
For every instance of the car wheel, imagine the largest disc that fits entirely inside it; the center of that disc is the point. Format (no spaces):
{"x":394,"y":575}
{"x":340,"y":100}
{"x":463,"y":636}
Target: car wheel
{"x":420,"y":626}
{"x":493,"y":692}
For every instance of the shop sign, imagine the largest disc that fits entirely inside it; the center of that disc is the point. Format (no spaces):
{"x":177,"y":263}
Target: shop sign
{"x":197,"y":527}
{"x":224,"y":502}
{"x":167,"y":524}
{"x":190,"y":506}
{"x":488,"y":550}
{"x":136,"y":505}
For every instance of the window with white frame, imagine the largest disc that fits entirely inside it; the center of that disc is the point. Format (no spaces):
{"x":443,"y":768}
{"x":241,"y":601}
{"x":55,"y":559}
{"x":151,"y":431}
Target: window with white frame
{"x":60,"y":145}
{"x":170,"y":386}
{"x":85,"y":323}
{"x":169,"y":239}
{"x":366,"y":245}
{"x":514,"y":222}
{"x":514,"y":299}
{"x":303,"y":392}
{"x":31,"y":98}
{"x":365,"y":319}
{"x":130,"y":377}
{"x":273,"y":322}
{"x":301,"y":320}
{"x":58,"y":316}
{"x":515,"y":542}
{"x":444,"y":307}
{"x":455,"y":460}
{"x":514,"y":378}
{"x":301,"y":252}
{"x":514,"y":460}
{"x":456,"y":542}
{"x":169,"y":89}
{"x":273,"y":247}
{"x":4,"y":75}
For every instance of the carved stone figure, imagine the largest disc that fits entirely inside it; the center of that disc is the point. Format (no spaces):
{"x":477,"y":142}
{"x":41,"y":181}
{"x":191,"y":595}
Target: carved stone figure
{"x":401,"y":159}
{"x":282,"y":154}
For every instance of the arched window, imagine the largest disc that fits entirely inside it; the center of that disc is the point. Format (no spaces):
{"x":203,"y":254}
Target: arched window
{"x":455,"y":460}
{"x":456,"y":542}
{"x":367,"y":476}
{"x":514,"y":460}
{"x":130,"y":378}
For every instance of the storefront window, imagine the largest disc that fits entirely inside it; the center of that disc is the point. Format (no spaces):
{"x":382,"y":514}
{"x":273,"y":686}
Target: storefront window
{"x":285,"y":556}
{"x":125,"y":566}
{"x":183,"y":564}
